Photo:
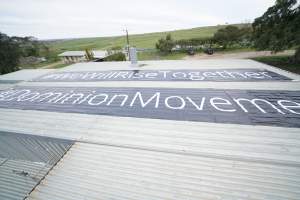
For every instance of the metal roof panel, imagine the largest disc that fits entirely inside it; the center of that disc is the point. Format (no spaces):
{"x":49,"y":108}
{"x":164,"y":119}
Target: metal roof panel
{"x":92,"y":171}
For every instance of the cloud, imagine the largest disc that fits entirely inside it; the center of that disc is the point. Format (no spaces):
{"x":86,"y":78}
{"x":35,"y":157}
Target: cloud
{"x":47,"y":19}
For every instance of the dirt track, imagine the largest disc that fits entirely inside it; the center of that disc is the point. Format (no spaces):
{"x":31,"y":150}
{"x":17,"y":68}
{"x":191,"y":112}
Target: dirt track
{"x":50,"y":66}
{"x":237,"y":55}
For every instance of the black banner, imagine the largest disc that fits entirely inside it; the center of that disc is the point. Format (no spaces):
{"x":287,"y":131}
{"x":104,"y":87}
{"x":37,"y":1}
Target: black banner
{"x":253,"y":107}
{"x":165,"y":75}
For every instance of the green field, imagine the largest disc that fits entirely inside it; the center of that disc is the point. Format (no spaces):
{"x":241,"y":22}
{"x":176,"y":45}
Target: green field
{"x":146,"y":40}
{"x":283,"y":62}
{"x":158,"y":56}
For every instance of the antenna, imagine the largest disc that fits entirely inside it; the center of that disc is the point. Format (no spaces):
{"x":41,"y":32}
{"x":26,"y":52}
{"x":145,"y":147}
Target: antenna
{"x":127,"y":40}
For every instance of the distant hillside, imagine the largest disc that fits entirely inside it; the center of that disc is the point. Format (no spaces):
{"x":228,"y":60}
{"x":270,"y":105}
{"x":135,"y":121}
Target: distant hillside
{"x":146,"y":40}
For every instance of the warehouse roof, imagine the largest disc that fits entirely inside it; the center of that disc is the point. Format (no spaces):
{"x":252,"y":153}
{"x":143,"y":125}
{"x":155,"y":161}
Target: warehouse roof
{"x":97,"y":53}
{"x":24,"y":74}
{"x":72,"y":53}
{"x":142,"y":155}
{"x":8,"y":80}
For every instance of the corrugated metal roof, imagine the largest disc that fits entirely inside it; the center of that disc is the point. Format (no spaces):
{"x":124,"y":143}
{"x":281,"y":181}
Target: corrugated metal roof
{"x":159,"y":65}
{"x":100,"y":54}
{"x":131,"y":158}
{"x":5,"y":86}
{"x":72,"y":53}
{"x":32,"y":148}
{"x":179,"y":64}
{"x":92,"y":171}
{"x":19,"y":177}
{"x":25,"y":74}
{"x":293,"y":85}
{"x":8,"y":81}
{"x":97,"y":53}
{"x":11,"y":79}
{"x":25,"y":160}
{"x":230,"y":141}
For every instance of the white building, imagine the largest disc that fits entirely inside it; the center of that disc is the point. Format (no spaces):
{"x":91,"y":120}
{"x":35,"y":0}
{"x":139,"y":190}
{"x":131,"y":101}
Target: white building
{"x":80,"y":56}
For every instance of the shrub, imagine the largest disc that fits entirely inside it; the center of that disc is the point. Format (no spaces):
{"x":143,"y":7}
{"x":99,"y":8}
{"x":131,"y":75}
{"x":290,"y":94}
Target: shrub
{"x":116,"y":57}
{"x":10,"y":54}
{"x":165,"y":45}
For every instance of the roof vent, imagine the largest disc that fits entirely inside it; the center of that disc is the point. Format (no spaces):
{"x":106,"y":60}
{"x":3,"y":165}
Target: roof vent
{"x":133,"y":57}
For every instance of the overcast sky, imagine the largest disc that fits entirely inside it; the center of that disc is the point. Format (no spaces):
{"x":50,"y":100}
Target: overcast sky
{"x":49,"y":19}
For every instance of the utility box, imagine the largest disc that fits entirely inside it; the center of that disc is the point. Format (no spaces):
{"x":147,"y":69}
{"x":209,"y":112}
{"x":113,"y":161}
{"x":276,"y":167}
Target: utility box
{"x":133,"y":56}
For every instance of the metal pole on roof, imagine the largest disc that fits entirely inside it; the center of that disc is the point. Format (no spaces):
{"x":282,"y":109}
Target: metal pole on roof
{"x":127,"y":39}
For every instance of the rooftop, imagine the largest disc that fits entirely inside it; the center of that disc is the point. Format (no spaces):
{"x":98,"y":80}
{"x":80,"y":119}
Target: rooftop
{"x":144,"y":148}
{"x":97,"y":54}
{"x":72,"y":53}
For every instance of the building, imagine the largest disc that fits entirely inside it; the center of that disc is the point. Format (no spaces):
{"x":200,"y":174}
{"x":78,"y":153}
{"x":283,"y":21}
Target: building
{"x":209,"y":129}
{"x":9,"y":80}
{"x":80,"y":56}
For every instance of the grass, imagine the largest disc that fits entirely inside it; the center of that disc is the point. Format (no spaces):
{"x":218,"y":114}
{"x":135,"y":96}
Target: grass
{"x":59,"y":65}
{"x":235,"y":50}
{"x":51,"y":64}
{"x":146,"y":40}
{"x":282,"y":62}
{"x":36,"y":66}
{"x":154,"y":55}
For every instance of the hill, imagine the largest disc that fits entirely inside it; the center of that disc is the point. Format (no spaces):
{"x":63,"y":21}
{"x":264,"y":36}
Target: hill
{"x":146,"y":40}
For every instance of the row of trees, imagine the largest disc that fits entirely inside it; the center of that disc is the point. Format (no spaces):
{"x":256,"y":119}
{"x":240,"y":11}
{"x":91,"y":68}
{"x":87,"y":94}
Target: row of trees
{"x":224,"y":37}
{"x":231,"y":35}
{"x":277,"y":29}
{"x":12,"y":49}
{"x":9,"y":54}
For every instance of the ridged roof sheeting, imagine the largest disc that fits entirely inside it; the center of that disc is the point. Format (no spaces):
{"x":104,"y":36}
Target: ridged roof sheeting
{"x":254,"y":143}
{"x":90,"y":171}
{"x":19,"y":177}
{"x":25,"y":160}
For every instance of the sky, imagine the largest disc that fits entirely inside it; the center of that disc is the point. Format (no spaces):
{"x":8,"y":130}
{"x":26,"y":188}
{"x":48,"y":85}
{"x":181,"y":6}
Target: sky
{"x":54,"y":19}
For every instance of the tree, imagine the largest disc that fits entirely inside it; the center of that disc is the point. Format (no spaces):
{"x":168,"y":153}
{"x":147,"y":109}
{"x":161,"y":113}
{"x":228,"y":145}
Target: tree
{"x":279,"y":28}
{"x":226,"y":36}
{"x":165,"y":45}
{"x":116,"y":57}
{"x":9,"y":54}
{"x":114,"y":50}
{"x":231,"y":35}
{"x":29,"y":46}
{"x":193,"y":42}
{"x":89,"y":55}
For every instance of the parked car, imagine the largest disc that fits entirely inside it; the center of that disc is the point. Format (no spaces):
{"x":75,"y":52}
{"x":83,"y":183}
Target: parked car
{"x":191,"y":51}
{"x":209,"y":51}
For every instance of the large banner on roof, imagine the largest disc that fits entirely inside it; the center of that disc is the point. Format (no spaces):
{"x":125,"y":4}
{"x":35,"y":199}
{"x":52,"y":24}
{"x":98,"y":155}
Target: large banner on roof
{"x":165,"y":75}
{"x":252,"y":107}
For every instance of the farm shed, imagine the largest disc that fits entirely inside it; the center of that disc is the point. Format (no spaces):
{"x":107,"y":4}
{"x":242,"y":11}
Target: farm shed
{"x":80,"y":56}
{"x":166,"y":130}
